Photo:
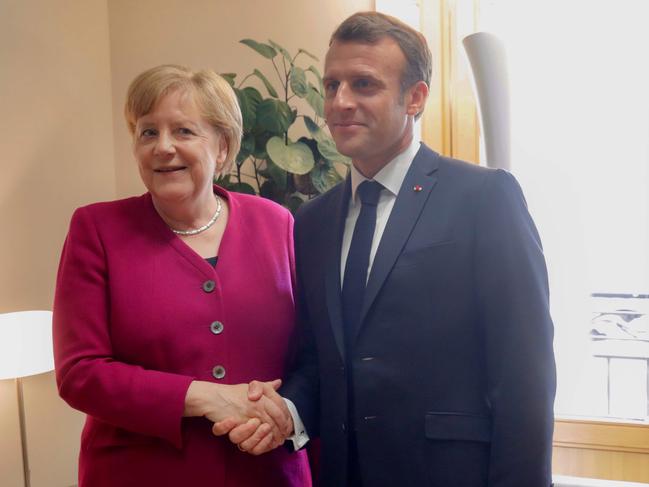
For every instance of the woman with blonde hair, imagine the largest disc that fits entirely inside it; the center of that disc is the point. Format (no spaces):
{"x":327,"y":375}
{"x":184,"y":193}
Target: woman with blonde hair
{"x":168,"y":303}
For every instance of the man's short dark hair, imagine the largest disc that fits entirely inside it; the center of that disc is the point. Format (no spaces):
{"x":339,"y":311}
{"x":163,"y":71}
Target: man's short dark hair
{"x":371,"y":27}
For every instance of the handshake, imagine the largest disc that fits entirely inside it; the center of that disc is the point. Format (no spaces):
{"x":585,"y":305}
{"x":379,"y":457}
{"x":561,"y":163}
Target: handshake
{"x":254,"y":416}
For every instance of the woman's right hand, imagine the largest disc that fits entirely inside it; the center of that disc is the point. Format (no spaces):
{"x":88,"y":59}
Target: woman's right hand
{"x":249,"y":437}
{"x":217,"y":402}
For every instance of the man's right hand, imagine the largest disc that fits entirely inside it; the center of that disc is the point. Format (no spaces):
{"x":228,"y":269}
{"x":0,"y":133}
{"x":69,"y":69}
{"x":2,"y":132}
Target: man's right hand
{"x":229,"y":406}
{"x":251,"y":436}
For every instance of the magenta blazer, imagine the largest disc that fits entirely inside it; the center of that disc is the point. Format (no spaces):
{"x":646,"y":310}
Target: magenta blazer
{"x":138,"y":315}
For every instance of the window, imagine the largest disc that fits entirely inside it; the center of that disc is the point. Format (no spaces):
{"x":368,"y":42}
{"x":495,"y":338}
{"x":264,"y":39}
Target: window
{"x":580,"y":144}
{"x":580,"y":148}
{"x":580,"y":136}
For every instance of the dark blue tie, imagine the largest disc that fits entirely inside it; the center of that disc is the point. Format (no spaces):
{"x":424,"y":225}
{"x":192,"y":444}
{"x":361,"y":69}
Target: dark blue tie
{"x":353,"y":291}
{"x":358,"y":258}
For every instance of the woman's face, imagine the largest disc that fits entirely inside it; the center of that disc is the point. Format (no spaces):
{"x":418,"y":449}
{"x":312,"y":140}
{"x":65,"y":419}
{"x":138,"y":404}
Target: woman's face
{"x":177,"y":150}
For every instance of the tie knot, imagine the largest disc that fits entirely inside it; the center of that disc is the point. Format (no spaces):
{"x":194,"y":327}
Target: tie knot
{"x":369,"y":191}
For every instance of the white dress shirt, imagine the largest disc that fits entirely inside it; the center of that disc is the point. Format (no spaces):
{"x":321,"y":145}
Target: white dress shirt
{"x":391,"y":178}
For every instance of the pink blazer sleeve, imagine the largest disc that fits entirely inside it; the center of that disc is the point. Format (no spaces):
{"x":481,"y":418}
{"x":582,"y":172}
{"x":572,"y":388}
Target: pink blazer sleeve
{"x":89,"y":378}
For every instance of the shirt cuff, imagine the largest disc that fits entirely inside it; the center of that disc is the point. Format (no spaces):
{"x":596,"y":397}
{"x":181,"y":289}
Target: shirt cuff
{"x":300,"y":436}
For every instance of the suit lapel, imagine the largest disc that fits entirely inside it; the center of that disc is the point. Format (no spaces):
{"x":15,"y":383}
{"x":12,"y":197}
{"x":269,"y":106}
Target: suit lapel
{"x":405,"y":214}
{"x":340,"y":202}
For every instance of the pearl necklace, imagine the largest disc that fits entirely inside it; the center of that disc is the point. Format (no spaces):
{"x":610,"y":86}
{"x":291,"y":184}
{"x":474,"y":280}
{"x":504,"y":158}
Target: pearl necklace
{"x":198,"y":230}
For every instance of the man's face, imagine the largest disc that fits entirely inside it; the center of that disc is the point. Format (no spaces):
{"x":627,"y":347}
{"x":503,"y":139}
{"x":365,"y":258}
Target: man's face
{"x":369,"y":118}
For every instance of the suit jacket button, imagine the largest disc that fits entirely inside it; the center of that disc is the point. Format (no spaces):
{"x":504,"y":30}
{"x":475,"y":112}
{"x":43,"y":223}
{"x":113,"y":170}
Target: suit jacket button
{"x":216,"y":327}
{"x":208,"y":286}
{"x":218,"y":372}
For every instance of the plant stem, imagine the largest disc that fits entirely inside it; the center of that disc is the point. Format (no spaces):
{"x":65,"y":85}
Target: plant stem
{"x":254,"y":164}
{"x":244,"y":79}
{"x":287,"y":74}
{"x":281,"y":80}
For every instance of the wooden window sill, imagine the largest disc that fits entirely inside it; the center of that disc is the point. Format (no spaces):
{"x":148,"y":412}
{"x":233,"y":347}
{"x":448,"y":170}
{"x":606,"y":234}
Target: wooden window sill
{"x":597,"y":434}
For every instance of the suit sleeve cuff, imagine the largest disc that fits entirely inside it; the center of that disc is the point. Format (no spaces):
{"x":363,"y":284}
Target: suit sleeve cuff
{"x":300,"y":436}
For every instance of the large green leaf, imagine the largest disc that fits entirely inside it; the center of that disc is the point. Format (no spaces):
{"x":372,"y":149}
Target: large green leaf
{"x":241,"y":157}
{"x":313,"y":128}
{"x":269,"y":87}
{"x":295,"y":158}
{"x":270,"y":191}
{"x":229,"y":77}
{"x":223,"y":180}
{"x":324,"y":176}
{"x":263,"y":49}
{"x":274,"y":116}
{"x":293,"y":203}
{"x":279,"y":48}
{"x":313,"y":145}
{"x":247,"y":148}
{"x":318,"y":77}
{"x":277,"y":174}
{"x":298,"y":82}
{"x":242,"y":188}
{"x":326,"y":145}
{"x":261,"y":139}
{"x":327,"y":148}
{"x":315,"y":100}
{"x":309,"y":54}
{"x":248,"y":143}
{"x":249,"y":98}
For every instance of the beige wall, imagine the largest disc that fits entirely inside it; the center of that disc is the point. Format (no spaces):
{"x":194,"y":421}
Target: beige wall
{"x":57,"y":153}
{"x":65,"y":66}
{"x":56,"y":135}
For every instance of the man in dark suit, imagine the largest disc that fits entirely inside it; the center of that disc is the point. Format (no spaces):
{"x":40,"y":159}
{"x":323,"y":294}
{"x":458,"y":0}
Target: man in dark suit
{"x":427,"y":341}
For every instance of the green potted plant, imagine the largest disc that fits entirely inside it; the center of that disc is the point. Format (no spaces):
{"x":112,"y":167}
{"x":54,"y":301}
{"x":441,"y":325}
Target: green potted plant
{"x":270,"y":163}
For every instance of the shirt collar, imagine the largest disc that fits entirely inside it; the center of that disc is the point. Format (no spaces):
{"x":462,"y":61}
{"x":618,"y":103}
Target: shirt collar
{"x":391,"y":176}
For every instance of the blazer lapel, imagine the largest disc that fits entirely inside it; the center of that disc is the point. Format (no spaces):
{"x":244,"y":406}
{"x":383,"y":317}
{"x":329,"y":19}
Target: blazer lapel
{"x":405,"y":214}
{"x":340,"y":202}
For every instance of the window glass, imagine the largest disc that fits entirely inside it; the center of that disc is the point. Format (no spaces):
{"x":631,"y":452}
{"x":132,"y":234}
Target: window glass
{"x":579,"y":81}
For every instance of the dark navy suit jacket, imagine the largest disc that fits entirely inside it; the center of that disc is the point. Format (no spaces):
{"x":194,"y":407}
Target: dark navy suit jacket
{"x":453,"y":368}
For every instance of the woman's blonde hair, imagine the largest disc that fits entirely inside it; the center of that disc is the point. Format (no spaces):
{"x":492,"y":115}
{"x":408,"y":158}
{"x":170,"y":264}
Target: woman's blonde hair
{"x":214,"y":96}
